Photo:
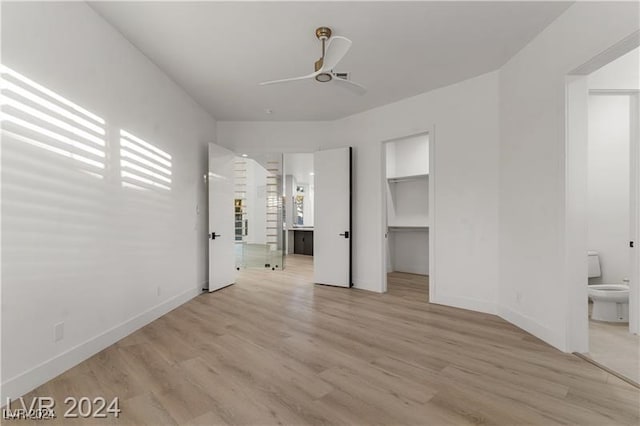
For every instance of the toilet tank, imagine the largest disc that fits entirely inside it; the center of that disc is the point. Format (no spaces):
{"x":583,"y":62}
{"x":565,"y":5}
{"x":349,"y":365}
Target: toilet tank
{"x":593,"y":264}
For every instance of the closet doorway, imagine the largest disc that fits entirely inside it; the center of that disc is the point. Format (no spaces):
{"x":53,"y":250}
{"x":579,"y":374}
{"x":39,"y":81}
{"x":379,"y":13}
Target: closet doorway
{"x":406,"y":188}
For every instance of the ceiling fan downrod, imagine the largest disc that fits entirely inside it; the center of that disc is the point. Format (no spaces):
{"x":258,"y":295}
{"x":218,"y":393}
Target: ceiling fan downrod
{"x":323,"y":34}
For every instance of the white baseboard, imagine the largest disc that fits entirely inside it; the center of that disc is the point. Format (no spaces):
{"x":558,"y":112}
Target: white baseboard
{"x":42,"y":373}
{"x":464,"y":303}
{"x":366,"y":286}
{"x":204,"y":285}
{"x":552,"y":337}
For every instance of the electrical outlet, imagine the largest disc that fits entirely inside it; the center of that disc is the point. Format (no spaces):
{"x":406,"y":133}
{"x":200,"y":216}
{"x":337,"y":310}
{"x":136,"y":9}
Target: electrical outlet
{"x":518,"y":297}
{"x":58,"y":332}
{"x":159,"y":291}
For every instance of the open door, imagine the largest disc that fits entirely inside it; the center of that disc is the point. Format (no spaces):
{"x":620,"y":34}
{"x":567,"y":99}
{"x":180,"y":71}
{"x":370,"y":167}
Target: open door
{"x":634,"y":198}
{"x":332,"y":224}
{"x":222,"y":271}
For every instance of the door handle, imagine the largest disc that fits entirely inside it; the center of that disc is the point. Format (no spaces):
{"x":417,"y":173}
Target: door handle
{"x":346,"y":234}
{"x":214,"y":235}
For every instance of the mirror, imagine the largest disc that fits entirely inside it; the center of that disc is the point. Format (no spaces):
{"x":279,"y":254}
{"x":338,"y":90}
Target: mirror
{"x":258,"y":211}
{"x":299,"y":187}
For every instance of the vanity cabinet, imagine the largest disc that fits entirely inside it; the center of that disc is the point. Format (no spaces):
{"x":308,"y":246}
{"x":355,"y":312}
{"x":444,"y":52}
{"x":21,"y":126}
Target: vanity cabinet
{"x":303,"y":242}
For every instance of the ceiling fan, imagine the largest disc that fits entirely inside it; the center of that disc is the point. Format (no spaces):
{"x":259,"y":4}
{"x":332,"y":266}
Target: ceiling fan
{"x":335,"y":49}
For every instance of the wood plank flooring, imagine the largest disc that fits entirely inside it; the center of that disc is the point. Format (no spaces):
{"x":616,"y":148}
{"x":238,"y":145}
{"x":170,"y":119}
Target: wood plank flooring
{"x":611,"y":345}
{"x":275,"y":349}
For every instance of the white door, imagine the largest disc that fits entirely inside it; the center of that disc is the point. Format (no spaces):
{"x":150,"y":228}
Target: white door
{"x":222,"y":271}
{"x":332,"y":217}
{"x":634,"y":276}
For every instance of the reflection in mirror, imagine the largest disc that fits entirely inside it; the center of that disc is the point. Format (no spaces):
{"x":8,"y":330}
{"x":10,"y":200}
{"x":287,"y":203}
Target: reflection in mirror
{"x":299,"y":203}
{"x":299,"y":189}
{"x":258,"y":211}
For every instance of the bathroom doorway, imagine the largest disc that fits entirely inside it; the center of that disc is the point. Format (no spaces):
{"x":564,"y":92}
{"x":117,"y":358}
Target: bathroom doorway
{"x":602,"y":219}
{"x":299,"y":204}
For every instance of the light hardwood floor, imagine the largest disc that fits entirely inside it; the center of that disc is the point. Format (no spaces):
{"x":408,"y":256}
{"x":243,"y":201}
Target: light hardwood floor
{"x":275,"y":349}
{"x":611,"y":345}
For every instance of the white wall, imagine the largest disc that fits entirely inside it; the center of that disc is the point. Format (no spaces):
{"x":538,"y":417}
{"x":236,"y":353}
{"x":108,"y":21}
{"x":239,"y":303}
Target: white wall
{"x":408,"y":156}
{"x":408,"y":250}
{"x":80,"y":249}
{"x":465,"y":117}
{"x":533,"y":288}
{"x":621,"y":74}
{"x":276,"y":136}
{"x":407,"y":199}
{"x":408,"y":202}
{"x":608,"y":185}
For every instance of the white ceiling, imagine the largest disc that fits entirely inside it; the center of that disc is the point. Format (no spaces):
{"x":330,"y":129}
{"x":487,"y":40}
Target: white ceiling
{"x":219,"y":51}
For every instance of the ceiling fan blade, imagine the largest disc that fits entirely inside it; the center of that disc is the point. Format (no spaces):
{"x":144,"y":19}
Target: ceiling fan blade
{"x":348,"y":84}
{"x":286,"y":80}
{"x":336,"y":49}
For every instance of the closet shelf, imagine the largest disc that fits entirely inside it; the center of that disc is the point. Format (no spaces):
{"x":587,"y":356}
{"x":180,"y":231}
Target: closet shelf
{"x":407,"y":177}
{"x":408,"y":226}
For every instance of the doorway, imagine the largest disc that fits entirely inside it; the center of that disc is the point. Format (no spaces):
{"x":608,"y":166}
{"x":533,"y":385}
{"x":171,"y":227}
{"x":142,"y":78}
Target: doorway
{"x":318,"y":219}
{"x":248,"y":198}
{"x":406,"y":193}
{"x":602,"y":210}
{"x":299,"y":198}
{"x":258,"y":211}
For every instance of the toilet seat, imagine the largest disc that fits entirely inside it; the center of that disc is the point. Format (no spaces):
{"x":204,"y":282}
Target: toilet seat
{"x":618,"y":293}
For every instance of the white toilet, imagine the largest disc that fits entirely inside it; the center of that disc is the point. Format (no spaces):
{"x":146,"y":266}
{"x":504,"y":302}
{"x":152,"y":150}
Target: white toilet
{"x":610,"y":301}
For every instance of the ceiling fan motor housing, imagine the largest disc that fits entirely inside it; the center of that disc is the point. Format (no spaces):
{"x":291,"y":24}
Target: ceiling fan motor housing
{"x":323,"y":33}
{"x":324,"y":77}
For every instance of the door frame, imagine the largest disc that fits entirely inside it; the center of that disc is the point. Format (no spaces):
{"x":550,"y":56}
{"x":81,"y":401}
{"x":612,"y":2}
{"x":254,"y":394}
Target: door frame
{"x":431,"y":133}
{"x":575,"y":244}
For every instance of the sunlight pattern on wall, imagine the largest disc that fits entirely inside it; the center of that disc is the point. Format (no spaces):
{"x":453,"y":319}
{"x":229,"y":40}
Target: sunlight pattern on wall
{"x":35,"y":115}
{"x":142,"y":165}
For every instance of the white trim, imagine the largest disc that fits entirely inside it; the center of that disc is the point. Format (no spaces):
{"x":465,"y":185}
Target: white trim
{"x":373,"y":287}
{"x":47,"y":370}
{"x":634,"y":231}
{"x":432,"y":214}
{"x":622,"y":47}
{"x":555,"y":338}
{"x":575,"y":215}
{"x":613,"y":92}
{"x":383,"y":216}
{"x":465,"y":303}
